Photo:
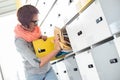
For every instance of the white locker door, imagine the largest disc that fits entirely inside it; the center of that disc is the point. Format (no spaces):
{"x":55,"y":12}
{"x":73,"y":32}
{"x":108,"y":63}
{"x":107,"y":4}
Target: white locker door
{"x":55,"y":69}
{"x":86,"y":66}
{"x":77,"y":33}
{"x":72,"y":68}
{"x":107,"y":61}
{"x":62,"y":72}
{"x":44,"y":7}
{"x":97,"y":28}
{"x":111,"y":9}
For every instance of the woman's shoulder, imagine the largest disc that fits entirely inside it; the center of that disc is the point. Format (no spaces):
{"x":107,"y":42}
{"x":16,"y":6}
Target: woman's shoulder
{"x":20,"y":41}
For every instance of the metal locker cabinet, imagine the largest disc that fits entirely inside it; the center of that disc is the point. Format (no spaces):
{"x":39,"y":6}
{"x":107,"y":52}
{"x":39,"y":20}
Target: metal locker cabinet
{"x":61,"y":69}
{"x":86,"y":66}
{"x":107,"y":61}
{"x":72,"y":68}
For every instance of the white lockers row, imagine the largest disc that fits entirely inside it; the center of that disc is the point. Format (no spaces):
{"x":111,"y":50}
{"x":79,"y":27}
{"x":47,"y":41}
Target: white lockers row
{"x":94,"y":37}
{"x":98,"y":63}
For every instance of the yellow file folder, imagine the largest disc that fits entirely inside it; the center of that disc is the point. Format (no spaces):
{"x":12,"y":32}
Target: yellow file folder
{"x":43,"y":48}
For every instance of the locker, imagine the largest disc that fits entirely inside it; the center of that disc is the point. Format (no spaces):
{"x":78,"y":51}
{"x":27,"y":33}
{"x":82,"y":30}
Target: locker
{"x":111,"y":10}
{"x":72,"y":68}
{"x":89,"y":28}
{"x":55,"y":69}
{"x":62,"y":71}
{"x":47,"y":27}
{"x":86,"y":66}
{"x":107,"y":61}
{"x":44,"y":7}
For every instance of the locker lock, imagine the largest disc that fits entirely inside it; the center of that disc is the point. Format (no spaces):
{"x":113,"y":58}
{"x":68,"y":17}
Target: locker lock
{"x":79,"y":33}
{"x":75,"y":69}
{"x":113,"y":60}
{"x":90,"y":66}
{"x":41,"y":50}
{"x":99,"y":19}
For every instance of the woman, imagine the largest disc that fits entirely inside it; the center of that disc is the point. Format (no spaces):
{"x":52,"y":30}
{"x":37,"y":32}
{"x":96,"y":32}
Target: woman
{"x":25,"y":32}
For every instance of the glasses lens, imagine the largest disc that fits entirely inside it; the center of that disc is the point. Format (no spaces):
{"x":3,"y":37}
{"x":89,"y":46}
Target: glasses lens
{"x":35,"y":22}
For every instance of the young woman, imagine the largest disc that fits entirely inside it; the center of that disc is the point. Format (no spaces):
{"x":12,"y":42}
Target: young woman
{"x":26,"y":31}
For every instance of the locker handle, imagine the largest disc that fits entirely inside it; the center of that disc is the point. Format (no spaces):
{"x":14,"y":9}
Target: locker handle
{"x":41,"y":50}
{"x":75,"y":69}
{"x":79,"y":33}
{"x":99,"y":20}
{"x":113,"y":60}
{"x":90,"y":66}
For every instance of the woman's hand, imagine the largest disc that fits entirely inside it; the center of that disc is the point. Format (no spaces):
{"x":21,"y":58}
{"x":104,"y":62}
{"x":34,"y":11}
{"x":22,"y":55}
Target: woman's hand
{"x":52,"y":54}
{"x":56,"y":43}
{"x":44,"y":38}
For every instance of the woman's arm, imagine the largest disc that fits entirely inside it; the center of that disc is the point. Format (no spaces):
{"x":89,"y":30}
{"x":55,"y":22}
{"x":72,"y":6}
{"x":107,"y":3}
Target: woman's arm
{"x":26,"y":51}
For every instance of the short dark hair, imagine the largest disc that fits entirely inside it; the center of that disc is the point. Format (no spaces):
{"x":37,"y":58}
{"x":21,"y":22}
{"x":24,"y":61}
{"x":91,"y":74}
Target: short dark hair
{"x":25,"y":14}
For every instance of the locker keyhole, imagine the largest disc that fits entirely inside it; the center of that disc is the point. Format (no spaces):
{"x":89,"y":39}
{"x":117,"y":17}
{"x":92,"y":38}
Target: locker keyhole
{"x":75,"y":69}
{"x":113,"y":60}
{"x":99,"y":19}
{"x":79,"y":33}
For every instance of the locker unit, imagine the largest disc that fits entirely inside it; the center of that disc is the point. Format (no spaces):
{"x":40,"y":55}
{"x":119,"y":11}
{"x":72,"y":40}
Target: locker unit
{"x":111,"y":10}
{"x":86,"y":66}
{"x":88,"y":28}
{"x":62,"y":71}
{"x":72,"y":68}
{"x":107,"y":61}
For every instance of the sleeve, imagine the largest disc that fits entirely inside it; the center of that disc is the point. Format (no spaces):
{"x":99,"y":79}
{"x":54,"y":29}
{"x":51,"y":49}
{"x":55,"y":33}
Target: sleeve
{"x":26,"y":52}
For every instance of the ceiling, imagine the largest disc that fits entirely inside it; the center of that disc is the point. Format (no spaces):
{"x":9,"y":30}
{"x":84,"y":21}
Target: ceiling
{"x":10,"y":6}
{"x":7,"y":7}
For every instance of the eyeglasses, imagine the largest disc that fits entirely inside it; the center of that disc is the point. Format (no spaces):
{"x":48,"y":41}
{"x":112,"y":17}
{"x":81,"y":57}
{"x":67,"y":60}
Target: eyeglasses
{"x":35,"y":21}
